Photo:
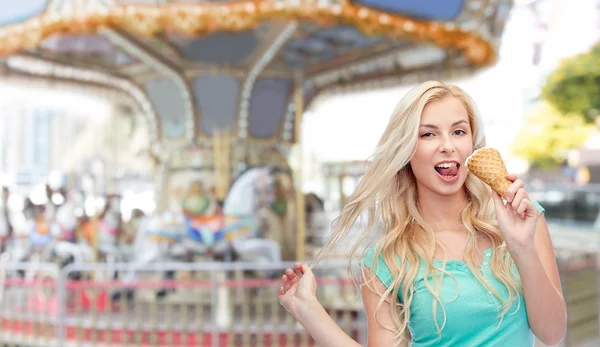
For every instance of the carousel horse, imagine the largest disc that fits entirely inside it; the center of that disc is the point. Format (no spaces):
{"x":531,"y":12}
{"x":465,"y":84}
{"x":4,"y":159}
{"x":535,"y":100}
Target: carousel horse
{"x":31,"y":244}
{"x":6,"y":232}
{"x":248,"y":193}
{"x":109,"y":233}
{"x":155,"y":240}
{"x":173,"y":235}
{"x":205,"y":223}
{"x":40,"y":235}
{"x":6,"y":226}
{"x":156,"y":236}
{"x":273,"y":208}
{"x":205,"y":229}
{"x":38,"y":243}
{"x":18,"y":247}
{"x":63,"y":227}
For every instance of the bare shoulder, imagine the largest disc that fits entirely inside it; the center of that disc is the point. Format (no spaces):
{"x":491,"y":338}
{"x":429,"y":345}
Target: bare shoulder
{"x":379,"y":316}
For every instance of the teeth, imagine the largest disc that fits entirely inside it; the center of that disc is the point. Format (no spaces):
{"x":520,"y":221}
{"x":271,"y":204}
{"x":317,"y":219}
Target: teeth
{"x":446,"y":165}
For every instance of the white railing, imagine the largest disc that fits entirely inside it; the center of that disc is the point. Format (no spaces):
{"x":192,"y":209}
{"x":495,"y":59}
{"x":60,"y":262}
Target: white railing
{"x":210,"y":304}
{"x":176,"y":304}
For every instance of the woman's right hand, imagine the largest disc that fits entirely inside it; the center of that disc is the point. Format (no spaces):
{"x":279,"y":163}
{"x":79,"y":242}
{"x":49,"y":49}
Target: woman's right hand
{"x":298,"y":296}
{"x":299,"y":288}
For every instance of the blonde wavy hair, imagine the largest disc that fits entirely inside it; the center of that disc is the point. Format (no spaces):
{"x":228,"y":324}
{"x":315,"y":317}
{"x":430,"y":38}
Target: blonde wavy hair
{"x":387,"y":195}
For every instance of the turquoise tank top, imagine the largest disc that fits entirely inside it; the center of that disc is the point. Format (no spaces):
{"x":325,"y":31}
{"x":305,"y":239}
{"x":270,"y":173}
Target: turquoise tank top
{"x":472,"y":312}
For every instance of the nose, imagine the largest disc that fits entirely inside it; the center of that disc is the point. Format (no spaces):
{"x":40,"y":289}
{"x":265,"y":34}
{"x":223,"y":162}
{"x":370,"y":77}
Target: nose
{"x":446,"y":145}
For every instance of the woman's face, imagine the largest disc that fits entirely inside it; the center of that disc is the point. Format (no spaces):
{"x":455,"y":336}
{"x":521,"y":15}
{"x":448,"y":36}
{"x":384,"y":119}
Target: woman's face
{"x":445,"y":141}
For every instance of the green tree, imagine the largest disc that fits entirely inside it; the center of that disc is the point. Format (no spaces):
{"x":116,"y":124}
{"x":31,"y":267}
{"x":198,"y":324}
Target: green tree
{"x":548,"y":135}
{"x":574,"y":87}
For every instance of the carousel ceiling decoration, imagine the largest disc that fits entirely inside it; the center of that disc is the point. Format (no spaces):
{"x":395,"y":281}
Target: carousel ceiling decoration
{"x":375,"y":17}
{"x":245,"y":68}
{"x":64,"y":73}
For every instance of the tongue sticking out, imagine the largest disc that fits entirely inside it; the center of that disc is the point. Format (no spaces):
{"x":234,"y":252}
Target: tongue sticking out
{"x":451,"y":171}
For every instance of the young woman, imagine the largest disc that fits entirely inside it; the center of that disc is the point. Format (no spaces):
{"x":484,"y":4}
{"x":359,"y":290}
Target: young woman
{"x":455,"y":264}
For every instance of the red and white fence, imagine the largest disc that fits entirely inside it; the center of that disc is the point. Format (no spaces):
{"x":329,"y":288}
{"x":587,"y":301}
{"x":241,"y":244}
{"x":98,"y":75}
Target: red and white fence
{"x":179,"y":304}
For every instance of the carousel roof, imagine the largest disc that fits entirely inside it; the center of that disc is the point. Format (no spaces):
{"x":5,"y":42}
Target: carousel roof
{"x":199,"y":66}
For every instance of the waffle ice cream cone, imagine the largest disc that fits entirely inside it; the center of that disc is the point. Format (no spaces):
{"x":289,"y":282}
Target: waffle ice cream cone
{"x":487,"y":164}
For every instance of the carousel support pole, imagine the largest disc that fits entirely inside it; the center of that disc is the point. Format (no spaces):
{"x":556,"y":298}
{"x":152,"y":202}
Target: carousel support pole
{"x":222,"y":162}
{"x":161,"y":183}
{"x":216,"y":147}
{"x":226,"y":181}
{"x":95,"y":238}
{"x":221,"y":173}
{"x":300,"y":209}
{"x":95,"y":229}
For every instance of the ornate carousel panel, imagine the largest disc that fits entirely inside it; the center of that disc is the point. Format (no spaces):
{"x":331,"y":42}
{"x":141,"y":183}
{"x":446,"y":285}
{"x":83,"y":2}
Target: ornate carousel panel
{"x":222,"y":85}
{"x":217,"y":99}
{"x":219,"y":48}
{"x":327,"y":44}
{"x":95,"y":48}
{"x":169,"y":105}
{"x":170,"y":50}
{"x":268,"y":105}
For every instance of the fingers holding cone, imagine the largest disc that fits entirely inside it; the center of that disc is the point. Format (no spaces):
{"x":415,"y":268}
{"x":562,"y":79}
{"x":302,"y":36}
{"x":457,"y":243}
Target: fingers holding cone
{"x":512,"y":177}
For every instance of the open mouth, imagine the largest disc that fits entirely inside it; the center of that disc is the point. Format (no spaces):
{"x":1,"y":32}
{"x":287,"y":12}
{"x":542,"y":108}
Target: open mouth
{"x":448,"y":170}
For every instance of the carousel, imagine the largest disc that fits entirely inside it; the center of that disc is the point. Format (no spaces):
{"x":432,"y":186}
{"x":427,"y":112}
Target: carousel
{"x":222,"y":85}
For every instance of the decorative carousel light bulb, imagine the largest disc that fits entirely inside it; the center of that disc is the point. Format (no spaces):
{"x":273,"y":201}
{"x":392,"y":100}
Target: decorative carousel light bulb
{"x":408,"y":26}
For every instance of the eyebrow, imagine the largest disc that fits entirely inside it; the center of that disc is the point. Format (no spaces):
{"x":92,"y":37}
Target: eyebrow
{"x":435,"y":127}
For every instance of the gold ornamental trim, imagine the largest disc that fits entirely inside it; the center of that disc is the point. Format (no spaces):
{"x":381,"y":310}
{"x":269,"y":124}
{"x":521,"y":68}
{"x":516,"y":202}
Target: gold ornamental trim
{"x":205,"y":18}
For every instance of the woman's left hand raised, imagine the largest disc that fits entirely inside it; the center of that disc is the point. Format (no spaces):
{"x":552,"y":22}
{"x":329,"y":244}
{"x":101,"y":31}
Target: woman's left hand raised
{"x":517,"y":218}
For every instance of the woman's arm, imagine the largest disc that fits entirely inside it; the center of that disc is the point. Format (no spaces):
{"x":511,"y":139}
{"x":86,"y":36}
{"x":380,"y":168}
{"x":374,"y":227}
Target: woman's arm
{"x":377,"y":334}
{"x":327,"y":333}
{"x":297,"y":296}
{"x":546,"y":308}
{"x":323,"y":329}
{"x":528,"y":240}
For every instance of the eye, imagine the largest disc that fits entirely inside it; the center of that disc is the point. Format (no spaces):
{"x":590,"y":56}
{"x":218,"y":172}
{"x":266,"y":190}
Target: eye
{"x":460,"y":132}
{"x":426,"y":134}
